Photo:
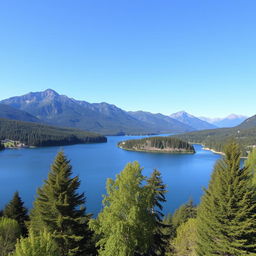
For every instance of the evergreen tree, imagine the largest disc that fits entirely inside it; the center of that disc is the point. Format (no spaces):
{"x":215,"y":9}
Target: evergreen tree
{"x":15,"y":210}
{"x":60,"y":210}
{"x":227,"y":213}
{"x":125,"y":224}
{"x":183,"y":213}
{"x":156,"y":192}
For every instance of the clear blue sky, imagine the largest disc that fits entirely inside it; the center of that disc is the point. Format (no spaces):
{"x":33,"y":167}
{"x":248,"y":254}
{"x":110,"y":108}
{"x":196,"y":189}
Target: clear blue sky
{"x":158,"y":56}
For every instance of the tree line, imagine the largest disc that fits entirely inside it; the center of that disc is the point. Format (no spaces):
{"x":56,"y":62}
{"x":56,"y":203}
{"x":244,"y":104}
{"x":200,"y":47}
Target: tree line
{"x":131,"y":222}
{"x":34,"y":134}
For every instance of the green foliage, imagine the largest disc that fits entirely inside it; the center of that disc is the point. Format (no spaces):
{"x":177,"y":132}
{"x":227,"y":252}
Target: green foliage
{"x":250,"y":163}
{"x":126,"y":222}
{"x":34,"y":134}
{"x":36,"y":245}
{"x":15,"y":210}
{"x":183,"y":213}
{"x":227,"y":213}
{"x":185,"y":240}
{"x":216,"y":139}
{"x":156,"y":191}
{"x":158,"y":144}
{"x":9,"y":233}
{"x":60,"y":210}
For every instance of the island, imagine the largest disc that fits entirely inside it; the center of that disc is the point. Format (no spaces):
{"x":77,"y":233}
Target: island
{"x":17,"y":134}
{"x":158,"y":144}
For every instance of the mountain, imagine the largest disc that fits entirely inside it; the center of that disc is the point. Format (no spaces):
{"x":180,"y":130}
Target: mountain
{"x":248,"y":123}
{"x":192,"y":121}
{"x":244,"y":134}
{"x":34,"y":134}
{"x":104,"y":118}
{"x":229,"y":121}
{"x":9,"y":112}
{"x":160,"y":122}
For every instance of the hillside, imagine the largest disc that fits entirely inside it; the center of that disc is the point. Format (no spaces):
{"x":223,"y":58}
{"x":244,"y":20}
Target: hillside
{"x":216,"y":138}
{"x":33,"y":134}
{"x":104,"y":118}
{"x":248,"y":123}
{"x":9,"y":112}
{"x":192,"y":121}
{"x":157,"y":145}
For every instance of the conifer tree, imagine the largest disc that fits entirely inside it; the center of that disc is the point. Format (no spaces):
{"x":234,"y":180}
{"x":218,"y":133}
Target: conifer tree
{"x":59,"y":209}
{"x":227,"y":213}
{"x":15,"y":210}
{"x":156,"y":192}
{"x":125,"y":224}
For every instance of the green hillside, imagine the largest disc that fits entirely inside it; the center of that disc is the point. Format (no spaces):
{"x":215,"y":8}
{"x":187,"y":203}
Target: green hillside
{"x":215,"y":139}
{"x":33,"y":134}
{"x":158,"y":145}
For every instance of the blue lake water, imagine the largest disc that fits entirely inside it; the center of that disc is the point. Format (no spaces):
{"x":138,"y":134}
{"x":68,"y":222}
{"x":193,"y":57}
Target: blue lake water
{"x":25,"y":169}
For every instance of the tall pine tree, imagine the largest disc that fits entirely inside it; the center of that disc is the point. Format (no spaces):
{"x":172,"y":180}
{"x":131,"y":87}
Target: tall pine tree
{"x":59,"y":209}
{"x":15,"y":210}
{"x":227,"y":213}
{"x":156,"y":192}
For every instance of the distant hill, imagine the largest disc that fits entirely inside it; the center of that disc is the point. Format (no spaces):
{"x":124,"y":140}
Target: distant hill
{"x":229,"y":121}
{"x":9,"y":112}
{"x":215,"y":139}
{"x":248,"y":123}
{"x":104,"y":118}
{"x":33,"y":134}
{"x":160,"y":123}
{"x":192,"y":121}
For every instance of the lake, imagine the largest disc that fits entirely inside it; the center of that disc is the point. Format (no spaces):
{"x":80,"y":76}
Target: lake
{"x":24,"y":170}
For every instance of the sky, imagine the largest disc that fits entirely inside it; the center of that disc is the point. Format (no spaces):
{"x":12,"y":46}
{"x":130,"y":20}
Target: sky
{"x":160,"y":56}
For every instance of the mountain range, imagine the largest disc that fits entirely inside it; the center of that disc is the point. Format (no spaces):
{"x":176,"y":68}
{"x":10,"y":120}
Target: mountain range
{"x":49,"y":107}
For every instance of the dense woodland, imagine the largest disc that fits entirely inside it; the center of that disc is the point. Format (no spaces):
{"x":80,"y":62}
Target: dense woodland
{"x":131,"y":222}
{"x":164,"y":144}
{"x":217,"y":138}
{"x":33,"y":134}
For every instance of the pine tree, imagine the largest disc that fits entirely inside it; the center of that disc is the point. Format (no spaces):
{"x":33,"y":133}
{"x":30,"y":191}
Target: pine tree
{"x":125,"y":224}
{"x":15,"y":210}
{"x":60,"y":210}
{"x":227,"y":213}
{"x":156,"y":192}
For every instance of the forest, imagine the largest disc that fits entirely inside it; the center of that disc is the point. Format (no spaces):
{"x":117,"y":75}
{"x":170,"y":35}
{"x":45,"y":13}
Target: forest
{"x":131,"y":222}
{"x":158,"y":144}
{"x":217,"y":138}
{"x":39,"y":135}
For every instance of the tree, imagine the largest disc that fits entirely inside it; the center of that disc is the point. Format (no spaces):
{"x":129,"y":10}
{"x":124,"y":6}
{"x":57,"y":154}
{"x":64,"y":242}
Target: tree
{"x":9,"y":233}
{"x":185,"y":240}
{"x":36,"y":245}
{"x":1,"y":146}
{"x":60,"y":210}
{"x":227,"y":212}
{"x":183,"y":213}
{"x":125,"y":224}
{"x":156,"y":193}
{"x":250,"y":163}
{"x":15,"y":210}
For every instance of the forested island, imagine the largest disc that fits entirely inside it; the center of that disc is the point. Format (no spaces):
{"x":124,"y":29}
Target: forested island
{"x":158,"y":145}
{"x":39,"y":135}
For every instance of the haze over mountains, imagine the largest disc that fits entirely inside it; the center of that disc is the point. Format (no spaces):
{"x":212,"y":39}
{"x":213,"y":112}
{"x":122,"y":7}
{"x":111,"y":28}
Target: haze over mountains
{"x":52,"y":108}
